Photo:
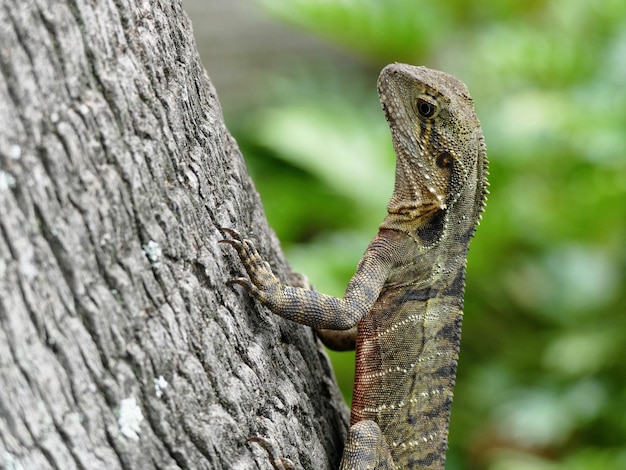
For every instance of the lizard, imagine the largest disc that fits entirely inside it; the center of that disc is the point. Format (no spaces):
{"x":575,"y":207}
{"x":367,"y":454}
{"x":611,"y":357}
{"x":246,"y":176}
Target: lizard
{"x":403,"y":307}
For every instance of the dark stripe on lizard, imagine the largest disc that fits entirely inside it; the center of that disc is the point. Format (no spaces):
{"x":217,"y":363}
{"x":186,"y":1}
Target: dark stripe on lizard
{"x":447,"y":371}
{"x":451,"y":332}
{"x":418,"y":294}
{"x":441,"y":410}
{"x":427,"y":461}
{"x":457,"y":287}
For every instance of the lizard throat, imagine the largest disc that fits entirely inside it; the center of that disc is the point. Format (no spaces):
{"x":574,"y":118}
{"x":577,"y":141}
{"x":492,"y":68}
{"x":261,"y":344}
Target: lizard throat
{"x":416,"y":211}
{"x":410,"y":218}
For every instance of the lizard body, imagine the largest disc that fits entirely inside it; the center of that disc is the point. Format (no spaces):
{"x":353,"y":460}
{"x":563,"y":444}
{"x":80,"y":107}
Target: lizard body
{"x":406,"y":297}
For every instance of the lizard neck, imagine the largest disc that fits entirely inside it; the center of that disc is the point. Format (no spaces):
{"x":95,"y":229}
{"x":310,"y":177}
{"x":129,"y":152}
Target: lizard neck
{"x":417,"y":212}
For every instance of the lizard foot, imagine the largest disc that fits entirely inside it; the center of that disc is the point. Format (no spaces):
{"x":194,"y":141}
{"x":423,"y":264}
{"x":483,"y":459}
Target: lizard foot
{"x":262,"y":282}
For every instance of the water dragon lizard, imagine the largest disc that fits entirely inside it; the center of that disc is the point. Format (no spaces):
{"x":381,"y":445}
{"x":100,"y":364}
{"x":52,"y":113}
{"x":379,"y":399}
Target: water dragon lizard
{"x":404,"y":305}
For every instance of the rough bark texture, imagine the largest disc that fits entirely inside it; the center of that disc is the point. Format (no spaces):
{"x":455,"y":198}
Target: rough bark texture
{"x":120,"y":346}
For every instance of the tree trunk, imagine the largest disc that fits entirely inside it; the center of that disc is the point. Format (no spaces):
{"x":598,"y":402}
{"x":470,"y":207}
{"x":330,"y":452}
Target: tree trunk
{"x":121,"y":346}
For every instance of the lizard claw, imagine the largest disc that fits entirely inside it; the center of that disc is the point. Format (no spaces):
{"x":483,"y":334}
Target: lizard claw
{"x":279,"y":463}
{"x":235,"y":240}
{"x":234,"y":243}
{"x":242,"y":281}
{"x":243,"y":248}
{"x":230,"y":232}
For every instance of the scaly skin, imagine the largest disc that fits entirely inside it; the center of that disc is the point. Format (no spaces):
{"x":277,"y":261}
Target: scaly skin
{"x":406,"y":297}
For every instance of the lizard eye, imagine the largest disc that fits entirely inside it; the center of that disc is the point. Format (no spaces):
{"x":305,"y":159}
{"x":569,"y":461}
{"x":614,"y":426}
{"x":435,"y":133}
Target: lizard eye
{"x":444,"y":160}
{"x":424,"y":108}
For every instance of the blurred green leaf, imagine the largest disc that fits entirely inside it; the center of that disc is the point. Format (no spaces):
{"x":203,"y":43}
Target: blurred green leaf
{"x":371,"y":27}
{"x":328,"y":141}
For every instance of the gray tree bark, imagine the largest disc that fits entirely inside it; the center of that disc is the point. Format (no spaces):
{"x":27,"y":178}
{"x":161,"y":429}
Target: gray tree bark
{"x":120,"y":345}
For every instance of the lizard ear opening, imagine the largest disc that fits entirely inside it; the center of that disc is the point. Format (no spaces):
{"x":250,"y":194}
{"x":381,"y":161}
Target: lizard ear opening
{"x":444,"y":160}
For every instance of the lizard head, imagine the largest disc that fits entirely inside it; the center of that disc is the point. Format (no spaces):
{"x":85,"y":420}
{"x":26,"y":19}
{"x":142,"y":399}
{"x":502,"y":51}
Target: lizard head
{"x":438,"y":143}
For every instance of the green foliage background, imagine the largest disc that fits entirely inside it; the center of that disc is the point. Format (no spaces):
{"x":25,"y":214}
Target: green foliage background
{"x":542,"y":377}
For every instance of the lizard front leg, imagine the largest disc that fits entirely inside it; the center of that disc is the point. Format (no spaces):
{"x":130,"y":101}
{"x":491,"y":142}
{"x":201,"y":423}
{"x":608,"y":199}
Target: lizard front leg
{"x":366,"y":447}
{"x":305,"y":306}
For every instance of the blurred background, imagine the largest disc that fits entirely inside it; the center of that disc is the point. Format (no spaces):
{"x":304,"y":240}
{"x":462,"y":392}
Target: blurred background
{"x":542,"y":377}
